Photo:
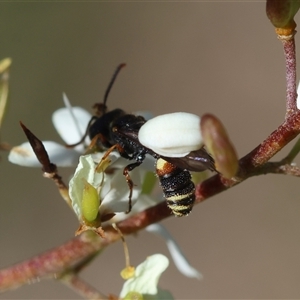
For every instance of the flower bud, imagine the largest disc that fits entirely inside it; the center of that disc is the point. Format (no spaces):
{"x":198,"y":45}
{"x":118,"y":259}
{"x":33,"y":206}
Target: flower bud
{"x":281,"y":13}
{"x":219,"y":146}
{"x":90,"y":202}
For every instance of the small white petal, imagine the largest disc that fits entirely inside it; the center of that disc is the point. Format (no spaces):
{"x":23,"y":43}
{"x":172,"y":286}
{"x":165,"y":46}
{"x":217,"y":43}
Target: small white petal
{"x":143,"y":202}
{"x":114,"y":190}
{"x":178,"y":257}
{"x":85,"y":170}
{"x":117,"y":198}
{"x":146,"y":276}
{"x":172,"y":135}
{"x":298,"y":96}
{"x":23,"y":155}
{"x":67,"y":127}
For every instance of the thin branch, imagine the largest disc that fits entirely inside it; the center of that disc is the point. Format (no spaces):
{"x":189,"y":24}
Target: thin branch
{"x":290,"y":66}
{"x":277,"y":140}
{"x":81,"y":287}
{"x":54,"y":262}
{"x":279,"y":168}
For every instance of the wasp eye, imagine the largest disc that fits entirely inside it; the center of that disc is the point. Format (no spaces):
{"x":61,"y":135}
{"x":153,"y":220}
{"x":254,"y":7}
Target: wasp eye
{"x":172,"y":135}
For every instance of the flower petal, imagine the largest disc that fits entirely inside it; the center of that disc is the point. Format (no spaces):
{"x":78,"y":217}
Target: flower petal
{"x":143,"y":202}
{"x":117,"y":198}
{"x":178,"y":257}
{"x":146,"y":277}
{"x":71,"y":126}
{"x":114,"y":190}
{"x":23,"y":155}
{"x":85,"y":170}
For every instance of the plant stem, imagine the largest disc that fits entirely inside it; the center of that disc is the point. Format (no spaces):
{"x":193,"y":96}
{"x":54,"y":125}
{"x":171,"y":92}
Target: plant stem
{"x":290,"y":65}
{"x":53,"y":262}
{"x":81,"y":287}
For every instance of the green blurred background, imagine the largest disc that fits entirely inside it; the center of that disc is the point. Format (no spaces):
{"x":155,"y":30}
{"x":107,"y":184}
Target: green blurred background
{"x":220,"y":57}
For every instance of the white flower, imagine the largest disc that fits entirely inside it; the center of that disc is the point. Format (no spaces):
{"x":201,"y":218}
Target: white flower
{"x":112,"y":188}
{"x":113,"y":193}
{"x":145,"y":280}
{"x":71,"y":124}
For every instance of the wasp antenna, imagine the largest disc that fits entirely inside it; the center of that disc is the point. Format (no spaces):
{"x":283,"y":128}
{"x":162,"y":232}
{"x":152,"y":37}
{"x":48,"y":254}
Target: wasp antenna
{"x":84,"y":136}
{"x":120,"y":66}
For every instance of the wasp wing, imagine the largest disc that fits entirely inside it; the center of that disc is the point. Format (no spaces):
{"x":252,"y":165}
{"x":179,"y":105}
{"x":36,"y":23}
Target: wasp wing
{"x":197,"y":161}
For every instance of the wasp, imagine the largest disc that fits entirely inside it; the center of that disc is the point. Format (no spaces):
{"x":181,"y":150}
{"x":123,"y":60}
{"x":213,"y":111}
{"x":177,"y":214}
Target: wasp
{"x":175,"y":155}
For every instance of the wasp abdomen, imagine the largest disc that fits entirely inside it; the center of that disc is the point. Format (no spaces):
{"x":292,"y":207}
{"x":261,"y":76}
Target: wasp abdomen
{"x":178,"y":188}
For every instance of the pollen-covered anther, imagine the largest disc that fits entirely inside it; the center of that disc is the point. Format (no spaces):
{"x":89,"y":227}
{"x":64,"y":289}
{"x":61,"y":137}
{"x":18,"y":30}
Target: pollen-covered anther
{"x":172,"y":135}
{"x":127,"y":272}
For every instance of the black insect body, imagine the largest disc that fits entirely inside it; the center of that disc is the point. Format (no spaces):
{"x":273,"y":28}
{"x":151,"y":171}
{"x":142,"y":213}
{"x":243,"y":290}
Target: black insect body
{"x":118,"y":130}
{"x":102,"y":127}
{"x":178,"y":188}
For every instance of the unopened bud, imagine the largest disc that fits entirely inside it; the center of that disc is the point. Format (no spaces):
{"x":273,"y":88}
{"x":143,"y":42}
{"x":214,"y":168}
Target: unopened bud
{"x":90,"y":202}
{"x":281,"y":14}
{"x":219,"y":146}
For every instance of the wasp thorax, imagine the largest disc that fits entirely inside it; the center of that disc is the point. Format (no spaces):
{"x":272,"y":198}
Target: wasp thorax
{"x":172,"y":135}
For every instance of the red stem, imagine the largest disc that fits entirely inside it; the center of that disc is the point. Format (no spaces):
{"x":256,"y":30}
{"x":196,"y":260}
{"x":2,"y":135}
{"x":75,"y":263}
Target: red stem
{"x":290,"y":62}
{"x":49,"y":263}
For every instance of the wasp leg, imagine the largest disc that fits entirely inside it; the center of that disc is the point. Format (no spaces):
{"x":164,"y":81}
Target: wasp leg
{"x":126,"y":171}
{"x":104,"y":158}
{"x":130,"y":183}
{"x":95,"y":146}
